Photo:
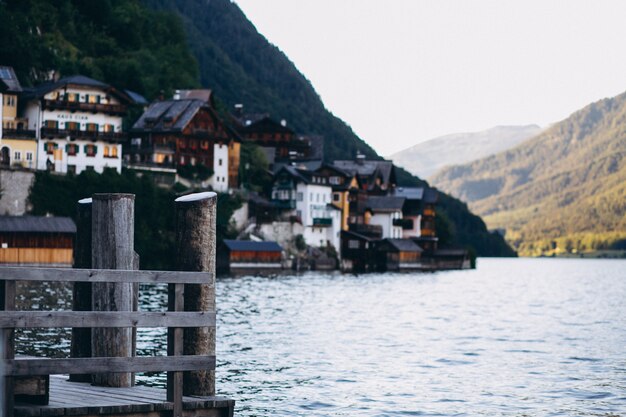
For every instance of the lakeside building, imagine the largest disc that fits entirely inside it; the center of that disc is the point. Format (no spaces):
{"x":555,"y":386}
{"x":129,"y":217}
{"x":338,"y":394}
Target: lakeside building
{"x":18,"y":143}
{"x":36,"y":241}
{"x":185,"y":131}
{"x":248,"y":255}
{"x":307,"y":196}
{"x":78,"y":124}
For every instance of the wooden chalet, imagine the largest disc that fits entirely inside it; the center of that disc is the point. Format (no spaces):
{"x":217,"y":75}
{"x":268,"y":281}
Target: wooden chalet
{"x":248,"y":255}
{"x":36,"y":241}
{"x":186,"y":131}
{"x":398,"y":255}
{"x":376,"y":177}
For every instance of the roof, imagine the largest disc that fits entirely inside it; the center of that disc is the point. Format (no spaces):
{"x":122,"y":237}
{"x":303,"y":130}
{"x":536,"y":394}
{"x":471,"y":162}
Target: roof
{"x":199,"y":94}
{"x":404,"y":245}
{"x":136,"y":97}
{"x":9,"y":80}
{"x":368,"y":168}
{"x":431,"y":196}
{"x":169,"y":115}
{"x":251,"y":245}
{"x":382,"y":204}
{"x":451,"y":252}
{"x":300,"y":175}
{"x":410,"y":193}
{"x":75,"y":80}
{"x":33,"y":224}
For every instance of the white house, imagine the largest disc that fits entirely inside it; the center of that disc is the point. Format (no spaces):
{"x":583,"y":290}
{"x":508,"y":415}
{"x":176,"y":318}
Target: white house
{"x":78,"y":121}
{"x":386,"y":211}
{"x":219,"y":180}
{"x":308,"y":196}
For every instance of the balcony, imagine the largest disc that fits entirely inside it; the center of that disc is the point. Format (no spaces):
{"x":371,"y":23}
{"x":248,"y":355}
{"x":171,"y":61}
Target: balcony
{"x":405,"y":224}
{"x":114,"y":109}
{"x":284,"y":204}
{"x":370,"y":230}
{"x":322,"y":222}
{"x":18,"y":134}
{"x":51,"y":132}
{"x":429,"y":212}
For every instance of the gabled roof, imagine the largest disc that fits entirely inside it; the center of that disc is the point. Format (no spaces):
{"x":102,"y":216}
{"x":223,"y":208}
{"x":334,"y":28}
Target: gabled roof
{"x":33,"y":224}
{"x":136,"y":97}
{"x":8,"y":80}
{"x":168,"y":115}
{"x":404,"y":245}
{"x":385,"y":204}
{"x":253,"y":246}
{"x":205,"y":95}
{"x":368,"y":170}
{"x":75,"y":81}
{"x":410,"y":193}
{"x":300,"y":175}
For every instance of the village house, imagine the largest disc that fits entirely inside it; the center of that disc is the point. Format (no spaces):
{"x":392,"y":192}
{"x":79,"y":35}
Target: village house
{"x":398,"y":255}
{"x":307,"y":196}
{"x":386,"y":211}
{"x":186,"y":131}
{"x":36,"y":241}
{"x":18,"y":143}
{"x":78,"y":122}
{"x":248,"y":255}
{"x":376,"y":177}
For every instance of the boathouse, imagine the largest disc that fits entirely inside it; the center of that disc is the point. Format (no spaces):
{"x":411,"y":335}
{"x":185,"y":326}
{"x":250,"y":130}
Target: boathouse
{"x":398,"y":255}
{"x":248,"y":255}
{"x":36,"y":241}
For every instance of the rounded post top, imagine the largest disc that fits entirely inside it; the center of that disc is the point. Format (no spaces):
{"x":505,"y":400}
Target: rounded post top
{"x":189,"y":198}
{"x":85,"y":201}
{"x":113,"y":196}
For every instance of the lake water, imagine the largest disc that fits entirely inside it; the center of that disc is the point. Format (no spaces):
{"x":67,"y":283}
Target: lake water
{"x":515,"y":337}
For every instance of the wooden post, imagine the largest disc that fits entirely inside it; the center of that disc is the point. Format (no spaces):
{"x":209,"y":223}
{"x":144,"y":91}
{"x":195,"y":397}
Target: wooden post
{"x":112,"y":247}
{"x":81,"y":293}
{"x":7,"y":348}
{"x":195,"y":251}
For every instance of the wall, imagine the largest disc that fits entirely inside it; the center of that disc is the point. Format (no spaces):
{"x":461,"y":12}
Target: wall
{"x":24,"y":147}
{"x":281,"y":232}
{"x":14,"y":186}
{"x":219,"y":180}
{"x":81,"y":161}
{"x":386,"y":221}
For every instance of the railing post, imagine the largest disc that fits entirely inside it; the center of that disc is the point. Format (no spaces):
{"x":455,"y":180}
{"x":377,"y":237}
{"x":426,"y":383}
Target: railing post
{"x":7,"y":348}
{"x":195,"y":251}
{"x":112,"y":247}
{"x":81,"y":294}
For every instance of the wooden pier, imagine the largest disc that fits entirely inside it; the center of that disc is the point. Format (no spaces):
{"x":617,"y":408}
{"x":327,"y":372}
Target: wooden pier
{"x":105,"y":317}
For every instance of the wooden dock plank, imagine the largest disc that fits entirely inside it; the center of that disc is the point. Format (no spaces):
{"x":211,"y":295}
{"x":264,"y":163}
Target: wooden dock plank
{"x":82,"y":399}
{"x":52,"y":319}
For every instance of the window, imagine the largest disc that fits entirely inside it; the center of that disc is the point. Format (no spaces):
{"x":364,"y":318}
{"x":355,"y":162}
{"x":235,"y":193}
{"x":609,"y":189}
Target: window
{"x":91,"y":150}
{"x":113,"y":151}
{"x":18,"y":155}
{"x":300,"y":197}
{"x":107,"y":128}
{"x":92,"y":127}
{"x":72,"y":97}
{"x":336,"y":196}
{"x":106,"y":152}
{"x":9,"y":101}
{"x":51,"y":124}
{"x":72,"y":126}
{"x":311,"y":196}
{"x":29,"y":156}
{"x":71,"y":149}
{"x":219,"y":162}
{"x":49,"y":147}
{"x":93,"y":99}
{"x":71,"y":169}
{"x":353,"y":244}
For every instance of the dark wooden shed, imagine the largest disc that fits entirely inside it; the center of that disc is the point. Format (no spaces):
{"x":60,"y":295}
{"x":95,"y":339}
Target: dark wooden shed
{"x":248,"y":255}
{"x":398,"y":254}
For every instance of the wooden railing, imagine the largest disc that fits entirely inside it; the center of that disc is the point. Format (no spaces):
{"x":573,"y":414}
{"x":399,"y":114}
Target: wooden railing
{"x":175,"y":319}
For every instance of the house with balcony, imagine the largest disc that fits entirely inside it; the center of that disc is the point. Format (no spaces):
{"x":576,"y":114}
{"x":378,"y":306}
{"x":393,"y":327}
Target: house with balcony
{"x":18,"y":144}
{"x":376,"y":177}
{"x":78,"y":124}
{"x":306,"y":196}
{"x":185,"y":131}
{"x":386,"y":212}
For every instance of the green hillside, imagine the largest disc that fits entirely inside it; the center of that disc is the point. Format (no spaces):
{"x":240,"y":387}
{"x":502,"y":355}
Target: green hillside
{"x":563,"y":190}
{"x":156,"y":46}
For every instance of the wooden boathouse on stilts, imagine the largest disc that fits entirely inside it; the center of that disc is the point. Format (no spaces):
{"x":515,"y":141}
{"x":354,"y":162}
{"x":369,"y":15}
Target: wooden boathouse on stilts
{"x":105,"y":317}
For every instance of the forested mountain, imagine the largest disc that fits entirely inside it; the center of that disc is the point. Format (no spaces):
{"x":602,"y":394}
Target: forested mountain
{"x":426,"y":158}
{"x":156,"y":46}
{"x":563,"y":189}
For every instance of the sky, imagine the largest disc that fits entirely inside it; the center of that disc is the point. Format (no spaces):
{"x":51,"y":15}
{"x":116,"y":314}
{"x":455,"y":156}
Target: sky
{"x":400,"y":72}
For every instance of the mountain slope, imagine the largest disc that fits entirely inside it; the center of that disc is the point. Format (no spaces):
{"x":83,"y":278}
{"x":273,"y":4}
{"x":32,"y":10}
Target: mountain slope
{"x":426,"y":158}
{"x":567,"y":185}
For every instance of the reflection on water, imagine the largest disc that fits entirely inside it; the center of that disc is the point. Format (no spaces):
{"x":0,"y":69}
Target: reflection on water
{"x":516,"y":337}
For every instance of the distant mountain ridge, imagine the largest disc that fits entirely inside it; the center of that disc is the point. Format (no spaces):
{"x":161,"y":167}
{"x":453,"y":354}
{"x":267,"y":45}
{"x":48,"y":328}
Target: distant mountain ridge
{"x":426,"y":158}
{"x":564,"y":189}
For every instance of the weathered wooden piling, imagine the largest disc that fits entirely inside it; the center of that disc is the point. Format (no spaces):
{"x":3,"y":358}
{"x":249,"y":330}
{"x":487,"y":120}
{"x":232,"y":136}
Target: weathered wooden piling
{"x":81,"y":293}
{"x":112,"y":248}
{"x":195,"y":251}
{"x":7,"y":348}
